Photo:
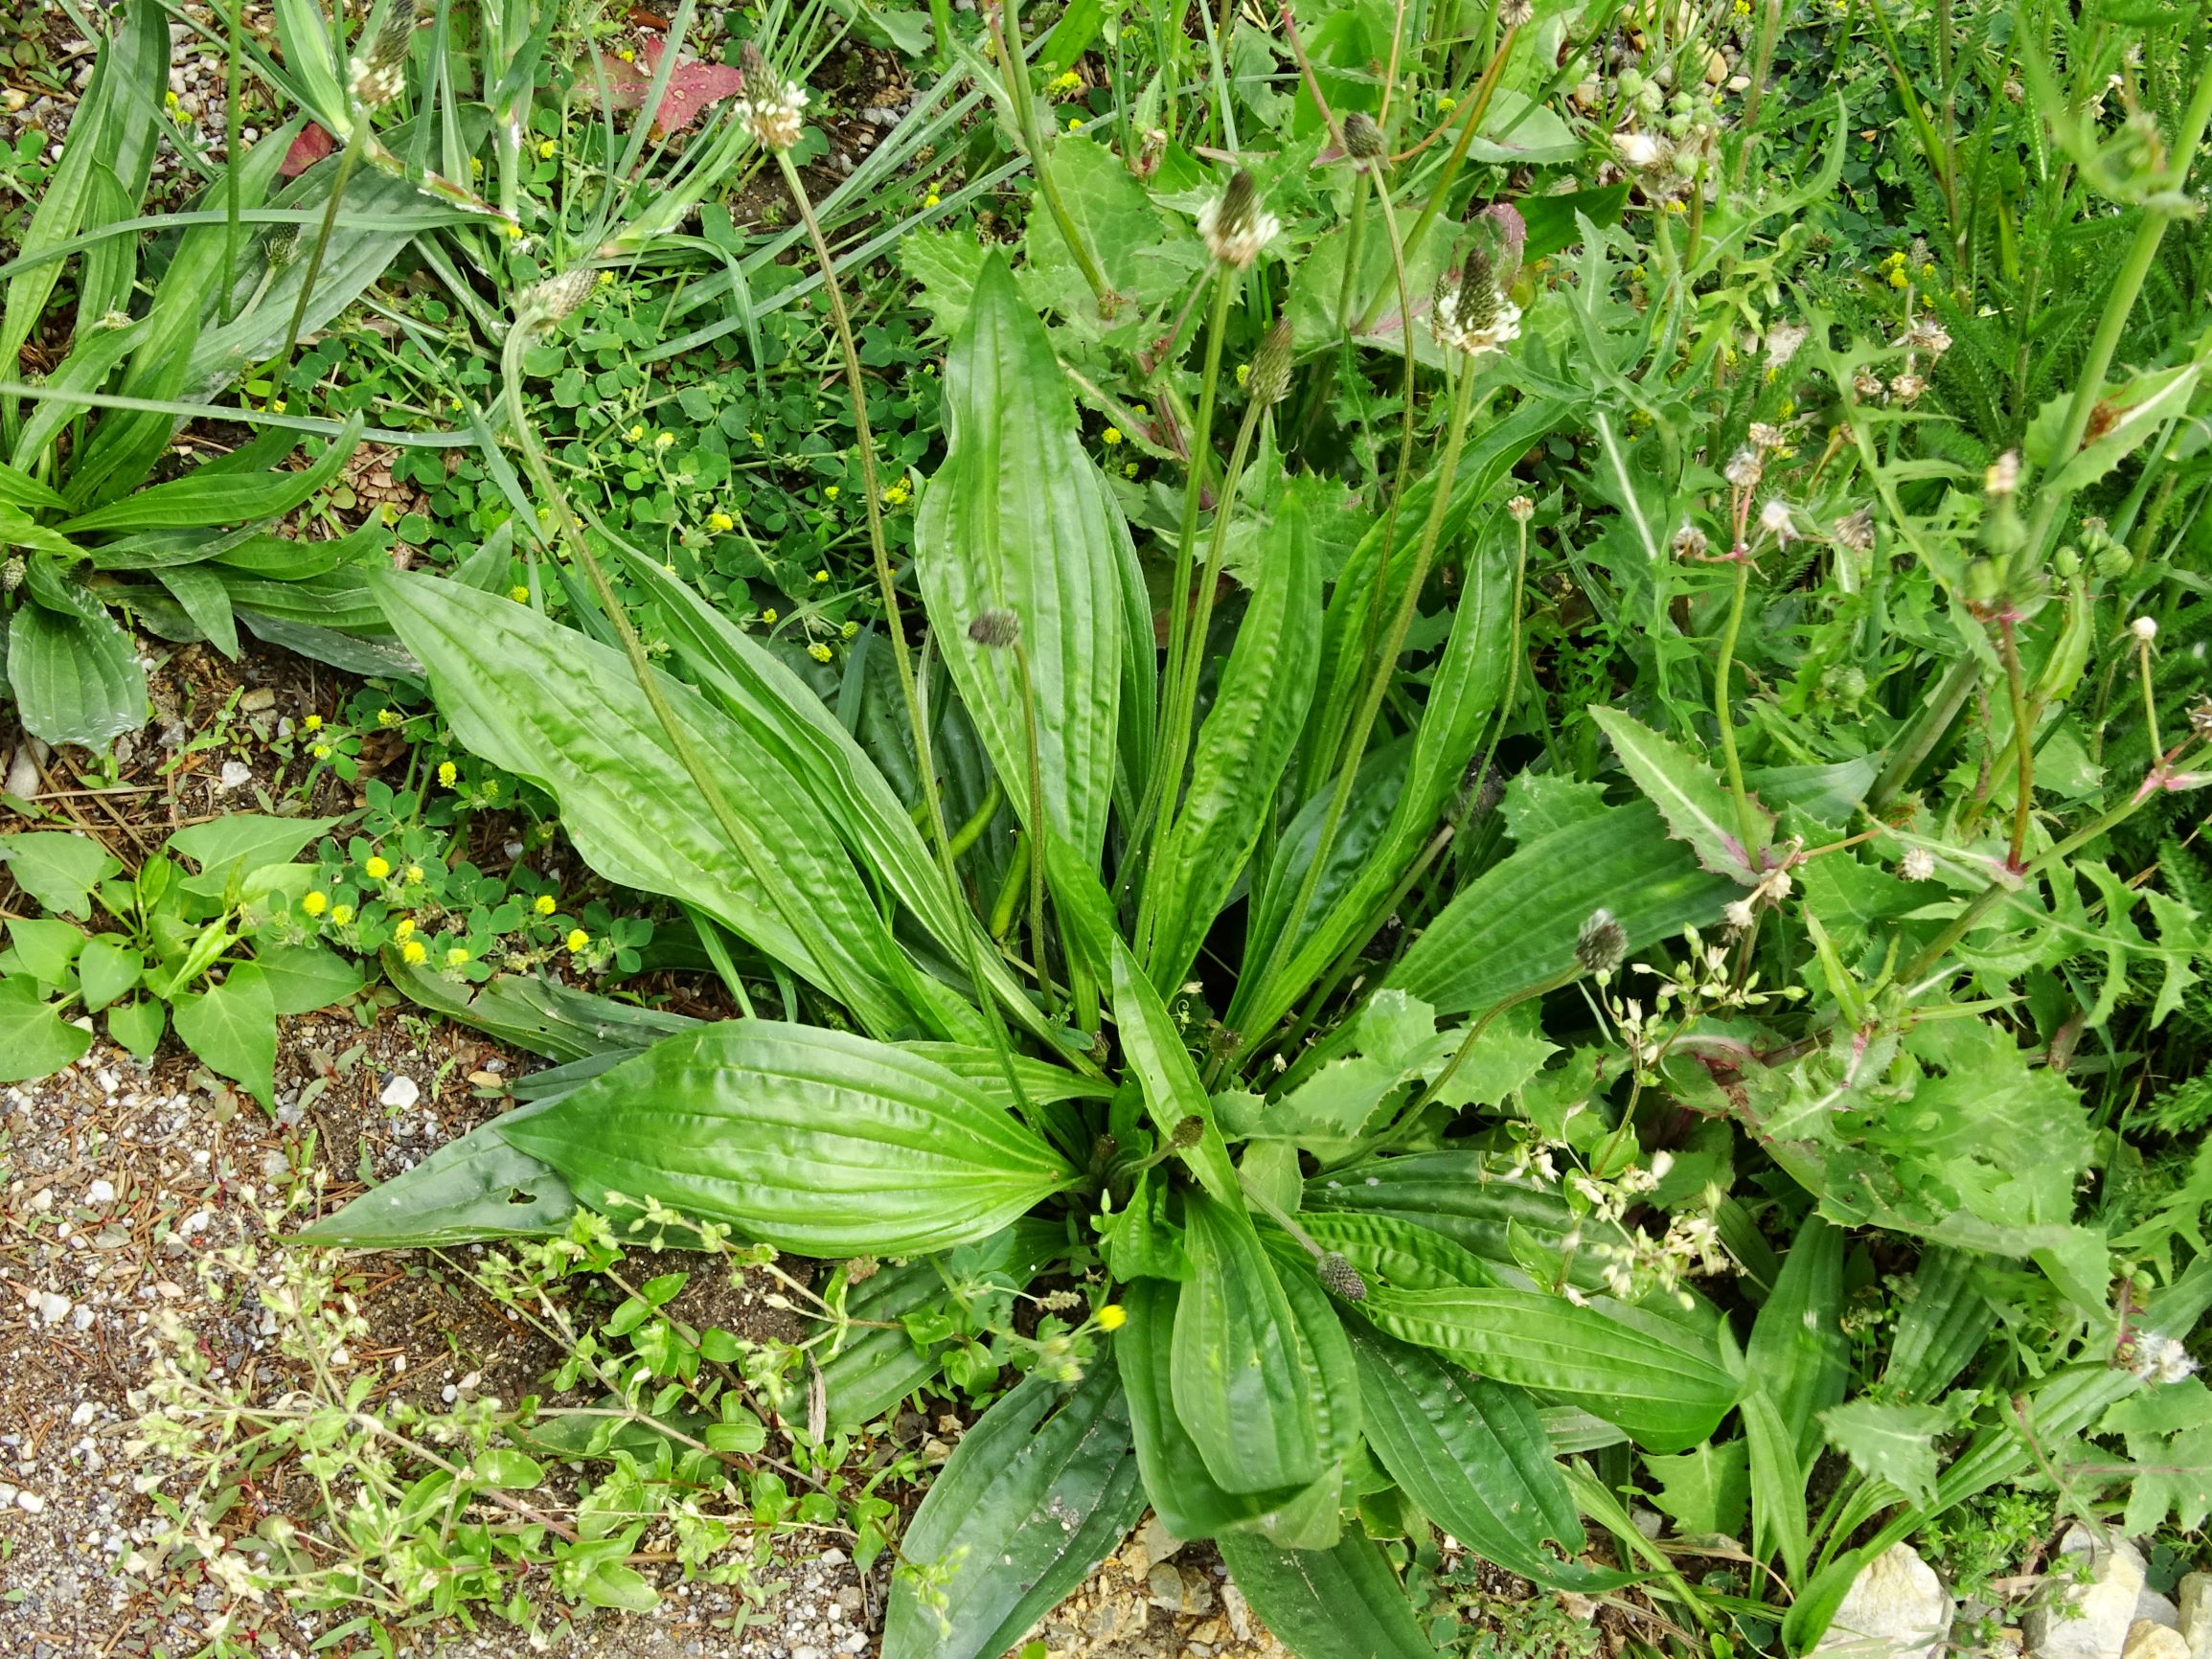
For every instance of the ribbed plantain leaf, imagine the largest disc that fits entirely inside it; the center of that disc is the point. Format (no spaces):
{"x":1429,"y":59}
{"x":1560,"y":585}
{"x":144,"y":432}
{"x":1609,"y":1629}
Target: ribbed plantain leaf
{"x":1942,"y":1327}
{"x":1339,"y":1603}
{"x":1240,"y":751}
{"x":1514,"y":925}
{"x":547,"y":703}
{"x":1798,"y":1355}
{"x":1154,"y":1051}
{"x":1648,"y":1379}
{"x":1239,"y":1386}
{"x":1017,"y":519}
{"x":222,"y":497}
{"x":1473,"y":1454}
{"x":810,"y":1140}
{"x":1027,"y":1507}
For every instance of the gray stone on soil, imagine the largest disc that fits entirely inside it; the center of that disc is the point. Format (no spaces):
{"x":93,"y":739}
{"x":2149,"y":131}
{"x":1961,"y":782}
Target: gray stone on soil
{"x":2156,"y":1608}
{"x":2107,"y":1603}
{"x":1897,"y":1608}
{"x":2195,"y":1614}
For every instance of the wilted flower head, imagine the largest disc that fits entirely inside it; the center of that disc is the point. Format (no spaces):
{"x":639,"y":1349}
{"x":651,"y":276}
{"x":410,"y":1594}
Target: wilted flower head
{"x":1737,"y":914}
{"x":1869,"y":387}
{"x":1233,"y":225}
{"x":2003,"y":476}
{"x":1691,"y":542}
{"x":1643,"y":152}
{"x":2158,"y":1358}
{"x":1907,"y":387}
{"x":1925,"y":334}
{"x":1513,"y":13}
{"x":2200,"y":719}
{"x":1917,"y":865}
{"x":1856,"y":530}
{"x":1776,"y":519}
{"x":1765,"y":436}
{"x":1521,"y":507}
{"x":1363,"y":138}
{"x":1601,"y":943}
{"x":995,"y":629}
{"x":770,"y":107}
{"x":1744,"y":469}
{"x":1150,"y":149}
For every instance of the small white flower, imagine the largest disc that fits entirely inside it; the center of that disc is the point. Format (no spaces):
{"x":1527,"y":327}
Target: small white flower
{"x":1917,"y":865}
{"x":2144,"y":629}
{"x":1737,"y":914}
{"x":2003,"y":476}
{"x":1744,"y":469}
{"x":1234,"y":227}
{"x":2158,"y":1358}
{"x":1775,"y":520}
{"x":773,"y":119}
{"x":1494,"y":336}
{"x":1643,"y":150}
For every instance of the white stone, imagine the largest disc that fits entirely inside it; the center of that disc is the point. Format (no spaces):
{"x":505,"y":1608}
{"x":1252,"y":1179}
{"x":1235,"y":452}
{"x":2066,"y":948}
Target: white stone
{"x":2156,"y":1608}
{"x":1897,"y":1608}
{"x":236,"y":775}
{"x":1159,"y":1544}
{"x":52,"y":1308}
{"x":2150,"y":1640}
{"x":401,"y":1093}
{"x":100,"y":1192}
{"x":2107,"y":1601}
{"x":23,"y":775}
{"x":2196,"y":1613}
{"x":30,"y":1503}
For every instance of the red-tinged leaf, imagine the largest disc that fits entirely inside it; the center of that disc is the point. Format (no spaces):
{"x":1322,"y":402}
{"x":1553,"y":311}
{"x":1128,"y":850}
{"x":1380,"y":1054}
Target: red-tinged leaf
{"x":310,"y":147}
{"x":692,"y":87}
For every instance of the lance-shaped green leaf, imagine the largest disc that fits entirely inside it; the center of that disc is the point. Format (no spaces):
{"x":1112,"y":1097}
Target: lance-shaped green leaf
{"x":479,"y":1187}
{"x":1339,"y":1603}
{"x":808,"y":1138}
{"x":75,"y":676}
{"x":1453,"y":1192}
{"x":1037,"y":1495}
{"x":1156,"y":1054}
{"x":547,"y":703}
{"x":1690,"y":797}
{"x":1798,"y":1352}
{"x":1239,"y":1386}
{"x":1777,"y":1486}
{"x":1190,"y":1502}
{"x":1649,"y":1378}
{"x":1940,"y":1326}
{"x":1473,"y":1454}
{"x":1018,"y":520}
{"x":1249,"y":737}
{"x":1514,"y":926}
{"x":204,"y":498}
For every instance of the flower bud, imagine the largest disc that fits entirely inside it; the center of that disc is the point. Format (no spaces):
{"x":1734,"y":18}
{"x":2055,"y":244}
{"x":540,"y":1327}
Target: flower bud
{"x":1521,"y":508}
{"x":380,"y":71}
{"x":1270,"y":375}
{"x":1233,"y":225}
{"x":281,"y":246}
{"x":1363,"y":138}
{"x":1189,"y":1132}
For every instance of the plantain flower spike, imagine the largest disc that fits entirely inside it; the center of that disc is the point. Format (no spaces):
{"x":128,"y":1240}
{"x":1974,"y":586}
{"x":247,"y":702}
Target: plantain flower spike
{"x":380,"y":70}
{"x":1270,"y":375}
{"x":1601,"y":943}
{"x":554,"y":298}
{"x":770,"y":107}
{"x":995,"y":629}
{"x":1339,"y":1278}
{"x":1470,"y":311}
{"x":1233,"y":225}
{"x":1363,"y":138}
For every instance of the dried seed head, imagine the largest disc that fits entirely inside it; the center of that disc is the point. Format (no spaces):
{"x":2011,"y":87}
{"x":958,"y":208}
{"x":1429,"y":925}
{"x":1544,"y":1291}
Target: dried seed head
{"x":1270,"y":375}
{"x":1691,"y":542}
{"x":2144,"y":629}
{"x":995,"y":629}
{"x":1150,"y":149}
{"x":1363,"y":138}
{"x":1189,"y":1132}
{"x":1513,"y":13}
{"x":2200,"y":719}
{"x":1907,"y":387}
{"x":1339,"y":1278}
{"x":1744,"y":468}
{"x":1233,"y":225}
{"x":1521,"y":508}
{"x":1925,"y":334}
{"x":1776,"y":520}
{"x":1869,"y":387}
{"x":1765,"y":436}
{"x":1856,"y":532}
{"x":1601,"y":943}
{"x":1917,"y":865}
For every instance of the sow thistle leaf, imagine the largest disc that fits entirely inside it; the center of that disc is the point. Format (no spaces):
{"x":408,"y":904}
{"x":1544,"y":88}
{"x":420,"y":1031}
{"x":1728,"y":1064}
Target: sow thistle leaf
{"x":1707,"y":1489}
{"x":1891,"y":1443}
{"x":1690,"y":797}
{"x":1028,"y":1505}
{"x":810,"y":1140}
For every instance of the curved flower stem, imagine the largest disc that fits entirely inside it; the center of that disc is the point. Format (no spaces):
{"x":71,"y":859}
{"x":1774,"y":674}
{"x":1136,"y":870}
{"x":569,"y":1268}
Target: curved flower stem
{"x":894,"y":627}
{"x":1014,"y":65}
{"x":1746,"y":824}
{"x":280,"y":364}
{"x":2023,"y":746}
{"x":1041,"y":833}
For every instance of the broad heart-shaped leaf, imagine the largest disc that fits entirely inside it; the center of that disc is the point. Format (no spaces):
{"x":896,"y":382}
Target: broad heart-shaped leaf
{"x":57,"y":868}
{"x":1028,"y":1505}
{"x":1514,"y":925}
{"x":34,"y":1039}
{"x":810,"y":1140}
{"x":138,"y":1025}
{"x":1473,"y":1453}
{"x":1690,"y":797}
{"x":1017,"y":519}
{"x":1249,"y":735}
{"x":1339,"y":1603}
{"x":306,"y":977}
{"x":1798,"y":1355}
{"x":76,"y":677}
{"x":239,"y":843}
{"x":548,"y":703}
{"x":1239,"y":1387}
{"x":1647,"y":1378}
{"x":105,"y":971}
{"x":478,"y":1187}
{"x":233,"y":1027}
{"x":1190,"y":1502}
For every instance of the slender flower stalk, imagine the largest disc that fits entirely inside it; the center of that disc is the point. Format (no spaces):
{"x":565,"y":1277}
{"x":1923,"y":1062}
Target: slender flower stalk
{"x":894,"y":626}
{"x":1005,"y":25}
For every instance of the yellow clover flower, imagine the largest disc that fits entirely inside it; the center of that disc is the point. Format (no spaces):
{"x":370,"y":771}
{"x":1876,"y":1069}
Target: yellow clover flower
{"x":377,"y":867}
{"x":519,"y":594}
{"x":545,"y":905}
{"x":447,"y":773}
{"x":1112,"y":1316}
{"x":456,"y":956}
{"x":577,"y":941}
{"x":405,"y":929}
{"x":412,"y":952}
{"x":819,"y":651}
{"x":719,"y":521}
{"x":341,"y":914}
{"x":315,"y":903}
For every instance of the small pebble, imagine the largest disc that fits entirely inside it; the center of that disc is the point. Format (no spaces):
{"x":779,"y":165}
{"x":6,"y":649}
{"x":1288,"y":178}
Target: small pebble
{"x":400,"y":1092}
{"x":100,"y":1193}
